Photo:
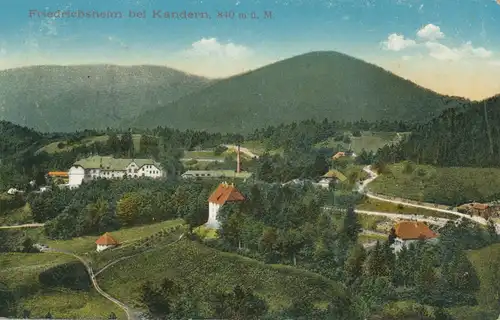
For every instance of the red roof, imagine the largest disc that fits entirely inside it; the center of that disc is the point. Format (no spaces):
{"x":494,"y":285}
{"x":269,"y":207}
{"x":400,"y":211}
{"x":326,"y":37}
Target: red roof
{"x":106,"y":239}
{"x":58,"y":174}
{"x":225,"y":193}
{"x":413,"y":230}
{"x":338,"y":155}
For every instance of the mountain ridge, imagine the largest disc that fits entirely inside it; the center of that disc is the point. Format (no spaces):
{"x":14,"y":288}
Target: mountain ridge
{"x":88,"y":96}
{"x":315,"y":85}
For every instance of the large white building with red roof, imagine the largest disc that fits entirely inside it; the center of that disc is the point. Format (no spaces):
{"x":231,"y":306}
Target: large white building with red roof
{"x":223,"y":194}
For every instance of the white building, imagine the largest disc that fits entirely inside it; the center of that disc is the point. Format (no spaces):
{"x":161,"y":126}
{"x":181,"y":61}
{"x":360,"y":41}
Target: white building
{"x":106,"y":241}
{"x":223,"y":194}
{"x":110,"y":168}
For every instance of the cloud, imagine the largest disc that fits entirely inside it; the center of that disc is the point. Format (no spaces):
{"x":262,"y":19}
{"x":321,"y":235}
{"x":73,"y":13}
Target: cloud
{"x":211,"y":47}
{"x":214,"y":58}
{"x":430,"y":32}
{"x":3,"y":51}
{"x":442,"y":52}
{"x":397,"y":42}
{"x":495,"y":63}
{"x":430,"y":35}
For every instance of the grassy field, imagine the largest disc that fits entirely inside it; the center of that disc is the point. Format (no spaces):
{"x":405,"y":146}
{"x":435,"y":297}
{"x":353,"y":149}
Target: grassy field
{"x":17,"y":216}
{"x":126,"y":235}
{"x":370,"y":141}
{"x":203,"y":154}
{"x":206,"y":270}
{"x":439,"y":185}
{"x":22,"y":270}
{"x":372,"y":222}
{"x":52,"y":147}
{"x":485,"y":262}
{"x":382,"y":206}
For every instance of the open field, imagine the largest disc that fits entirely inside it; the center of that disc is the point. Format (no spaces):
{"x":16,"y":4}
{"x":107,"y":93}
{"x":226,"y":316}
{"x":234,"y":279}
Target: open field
{"x":486,"y":262}
{"x":53,"y":148}
{"x":370,"y":141}
{"x":206,"y":271}
{"x":448,"y":186}
{"x":383,"y":206}
{"x":126,"y":235}
{"x":259,"y":148}
{"x":19,"y":270}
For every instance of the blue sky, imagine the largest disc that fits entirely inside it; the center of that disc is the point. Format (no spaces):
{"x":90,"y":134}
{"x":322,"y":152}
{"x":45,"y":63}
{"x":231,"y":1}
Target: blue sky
{"x":426,"y":41}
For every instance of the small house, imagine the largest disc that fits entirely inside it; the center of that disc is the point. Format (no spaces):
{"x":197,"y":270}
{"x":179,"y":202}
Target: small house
{"x":478,"y":209}
{"x":338,"y":155}
{"x":333,"y":176}
{"x":106,"y":241}
{"x":406,"y":232}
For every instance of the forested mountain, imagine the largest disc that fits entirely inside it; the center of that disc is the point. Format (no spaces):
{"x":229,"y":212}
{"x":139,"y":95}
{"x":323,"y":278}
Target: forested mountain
{"x":468,"y":136}
{"x":70,"y":98}
{"x":310,"y":86}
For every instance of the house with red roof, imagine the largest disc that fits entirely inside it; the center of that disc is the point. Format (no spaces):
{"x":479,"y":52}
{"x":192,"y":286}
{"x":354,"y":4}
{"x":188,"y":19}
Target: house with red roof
{"x":225,"y":193}
{"x":406,"y":232}
{"x":106,"y":241}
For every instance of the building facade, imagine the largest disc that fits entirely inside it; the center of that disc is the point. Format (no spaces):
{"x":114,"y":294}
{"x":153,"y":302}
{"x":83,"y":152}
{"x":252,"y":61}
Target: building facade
{"x":223,"y":194}
{"x":110,"y":168}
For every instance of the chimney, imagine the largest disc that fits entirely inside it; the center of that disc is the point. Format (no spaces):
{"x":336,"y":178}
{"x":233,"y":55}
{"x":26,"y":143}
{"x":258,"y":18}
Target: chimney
{"x":238,"y":169}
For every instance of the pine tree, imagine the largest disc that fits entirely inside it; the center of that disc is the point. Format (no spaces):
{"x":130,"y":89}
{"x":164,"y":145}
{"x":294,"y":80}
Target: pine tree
{"x":353,"y":267}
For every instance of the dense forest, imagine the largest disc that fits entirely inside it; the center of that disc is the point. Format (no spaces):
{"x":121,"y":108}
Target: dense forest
{"x":23,"y":158}
{"x":466,"y":137}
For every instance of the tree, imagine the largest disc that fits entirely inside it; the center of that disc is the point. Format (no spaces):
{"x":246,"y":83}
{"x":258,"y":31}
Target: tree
{"x":112,"y":315}
{"x":240,"y":304}
{"x":290,"y":242}
{"x":28,"y":245}
{"x":113,"y":143}
{"x":128,"y":208}
{"x":353,"y":267}
{"x":492,"y":231}
{"x":48,"y":315}
{"x":127,"y":145}
{"x":351,"y":227}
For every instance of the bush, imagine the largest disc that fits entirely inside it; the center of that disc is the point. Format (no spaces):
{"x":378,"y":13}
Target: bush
{"x":356,"y":133}
{"x":219,"y":150}
{"x":60,"y":145}
{"x":72,"y":275}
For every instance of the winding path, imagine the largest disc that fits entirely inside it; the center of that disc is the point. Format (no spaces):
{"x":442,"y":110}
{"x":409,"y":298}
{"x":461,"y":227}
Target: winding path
{"x":405,"y":202}
{"x":19,"y":226}
{"x":128,"y":311}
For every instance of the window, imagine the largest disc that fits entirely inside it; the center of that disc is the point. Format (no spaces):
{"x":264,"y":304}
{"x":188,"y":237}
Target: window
{"x":129,"y":170}
{"x":143,"y":174}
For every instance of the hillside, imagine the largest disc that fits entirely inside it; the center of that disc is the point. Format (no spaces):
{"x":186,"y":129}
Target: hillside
{"x":469,"y":136}
{"x":207,"y":271}
{"x":316,"y":85}
{"x":70,"y":98}
{"x":14,"y":138}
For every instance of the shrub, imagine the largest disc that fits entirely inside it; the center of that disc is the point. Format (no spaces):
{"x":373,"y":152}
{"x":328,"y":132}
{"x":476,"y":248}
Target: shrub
{"x":72,"y":275}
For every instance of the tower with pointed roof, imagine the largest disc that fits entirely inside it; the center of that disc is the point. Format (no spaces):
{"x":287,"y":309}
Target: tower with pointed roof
{"x":223,"y":194}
